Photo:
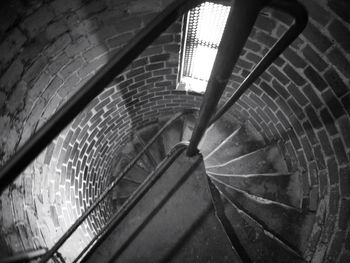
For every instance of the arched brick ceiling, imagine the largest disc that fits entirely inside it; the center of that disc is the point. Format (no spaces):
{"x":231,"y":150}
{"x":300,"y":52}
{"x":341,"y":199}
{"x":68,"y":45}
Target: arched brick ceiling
{"x":49,"y":49}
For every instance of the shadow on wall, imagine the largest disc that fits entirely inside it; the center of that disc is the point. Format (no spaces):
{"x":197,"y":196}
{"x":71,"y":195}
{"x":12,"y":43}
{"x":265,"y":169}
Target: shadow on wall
{"x":51,"y":49}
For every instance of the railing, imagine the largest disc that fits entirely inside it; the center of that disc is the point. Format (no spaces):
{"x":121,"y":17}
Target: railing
{"x":133,"y":199}
{"x":239,"y":24}
{"x":111,"y":186}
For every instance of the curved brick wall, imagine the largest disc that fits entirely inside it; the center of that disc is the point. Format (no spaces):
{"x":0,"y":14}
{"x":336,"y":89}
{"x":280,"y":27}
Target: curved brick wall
{"x":48,"y":50}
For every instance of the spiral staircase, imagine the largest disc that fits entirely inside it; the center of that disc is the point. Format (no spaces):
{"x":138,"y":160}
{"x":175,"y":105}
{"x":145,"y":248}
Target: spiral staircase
{"x":251,"y":202}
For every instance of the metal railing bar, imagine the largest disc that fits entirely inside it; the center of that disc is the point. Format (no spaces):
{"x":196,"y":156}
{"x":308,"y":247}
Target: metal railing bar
{"x":110,"y":187}
{"x":24,"y":256}
{"x":134,"y":198}
{"x":299,"y":13}
{"x":37,"y":143}
{"x":239,"y":23}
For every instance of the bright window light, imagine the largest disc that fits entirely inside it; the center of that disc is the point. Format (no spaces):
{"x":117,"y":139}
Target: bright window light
{"x":205,"y":25}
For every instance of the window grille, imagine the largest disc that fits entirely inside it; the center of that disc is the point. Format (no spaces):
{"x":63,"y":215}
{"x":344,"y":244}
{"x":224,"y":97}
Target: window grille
{"x":205,"y":25}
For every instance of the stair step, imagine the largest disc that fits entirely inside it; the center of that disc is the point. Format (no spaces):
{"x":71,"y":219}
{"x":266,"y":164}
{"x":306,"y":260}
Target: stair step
{"x":278,"y":187}
{"x":172,"y":135}
{"x":215,"y":135}
{"x":147,"y":161}
{"x":189,"y":124}
{"x":261,"y":245}
{"x":240,"y":142}
{"x":265,"y":160}
{"x":163,"y":225}
{"x":286,"y":223}
{"x":125,"y":188}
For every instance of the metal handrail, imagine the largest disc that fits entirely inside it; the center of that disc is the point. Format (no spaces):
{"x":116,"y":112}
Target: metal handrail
{"x":299,"y":13}
{"x":242,"y":13}
{"x":133,"y":199}
{"x":52,"y":128}
{"x":110,"y":187}
{"x":24,"y":256}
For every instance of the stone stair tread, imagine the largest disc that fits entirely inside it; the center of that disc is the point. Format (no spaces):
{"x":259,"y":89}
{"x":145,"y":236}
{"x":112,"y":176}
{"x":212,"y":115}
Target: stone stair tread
{"x":189,"y":123}
{"x":125,"y":188}
{"x":164,"y":227}
{"x":261,"y":245}
{"x":172,"y":135}
{"x":285,"y":222}
{"x":265,"y":160}
{"x":146,"y":159}
{"x":240,"y":142}
{"x":215,"y":135}
{"x":284,"y":188}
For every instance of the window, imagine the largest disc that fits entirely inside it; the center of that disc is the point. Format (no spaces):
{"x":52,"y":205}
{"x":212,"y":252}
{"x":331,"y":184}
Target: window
{"x":204,"y":28}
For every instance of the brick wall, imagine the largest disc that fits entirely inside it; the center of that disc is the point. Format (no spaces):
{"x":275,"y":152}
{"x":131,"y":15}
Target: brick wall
{"x":48,"y":50}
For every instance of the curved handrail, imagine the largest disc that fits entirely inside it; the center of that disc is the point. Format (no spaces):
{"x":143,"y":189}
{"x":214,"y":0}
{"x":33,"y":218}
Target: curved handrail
{"x":77,"y":103}
{"x":299,"y":13}
{"x":110,"y":187}
{"x":132,"y":200}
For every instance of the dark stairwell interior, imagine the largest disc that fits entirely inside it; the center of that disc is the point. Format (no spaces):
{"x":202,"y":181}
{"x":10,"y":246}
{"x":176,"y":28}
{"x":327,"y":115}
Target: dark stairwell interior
{"x":299,"y":108}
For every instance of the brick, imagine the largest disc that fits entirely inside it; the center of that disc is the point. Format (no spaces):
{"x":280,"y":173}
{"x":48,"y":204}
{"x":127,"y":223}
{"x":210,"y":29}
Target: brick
{"x":314,"y":35}
{"x":38,"y":21}
{"x":333,"y":104}
{"x":332,"y":167}
{"x":340,"y":151}
{"x":80,"y":45}
{"x":279,"y":75}
{"x":58,"y":63}
{"x":11,"y":46}
{"x":317,"y":12}
{"x":313,"y":173}
{"x":314,"y":58}
{"x":62,"y":6}
{"x":119,"y":40}
{"x":299,"y":96}
{"x":271,"y":92}
{"x":346,"y":103}
{"x":265,"y":39}
{"x":315,"y":78}
{"x":339,"y":60}
{"x":319,"y":157}
{"x":294,"y":75}
{"x":61,"y":43}
{"x":340,"y":33}
{"x":344,"y":214}
{"x":341,"y":8}
{"x":11,"y":76}
{"x":269,"y":102}
{"x":253,"y":57}
{"x":16,"y":101}
{"x":95,"y":52}
{"x":128,"y":24}
{"x":265,"y":23}
{"x":280,"y":89}
{"x":335,"y":82}
{"x":55,"y":30}
{"x":315,"y":121}
{"x":252,"y":45}
{"x":328,"y":121}
{"x":294,"y":58}
{"x":313,"y":197}
{"x":307,"y":149}
{"x":160,"y":57}
{"x":344,"y":181}
{"x":73,"y":66}
{"x":326,"y":146}
{"x":344,"y":126}
{"x":297,"y":110}
{"x":308,"y":90}
{"x":310,"y":132}
{"x":286,"y":19}
{"x":66,"y":89}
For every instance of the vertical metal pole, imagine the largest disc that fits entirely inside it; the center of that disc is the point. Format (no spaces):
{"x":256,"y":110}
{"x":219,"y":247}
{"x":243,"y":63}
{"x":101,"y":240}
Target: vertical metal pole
{"x":239,"y":23}
{"x":299,"y":13}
